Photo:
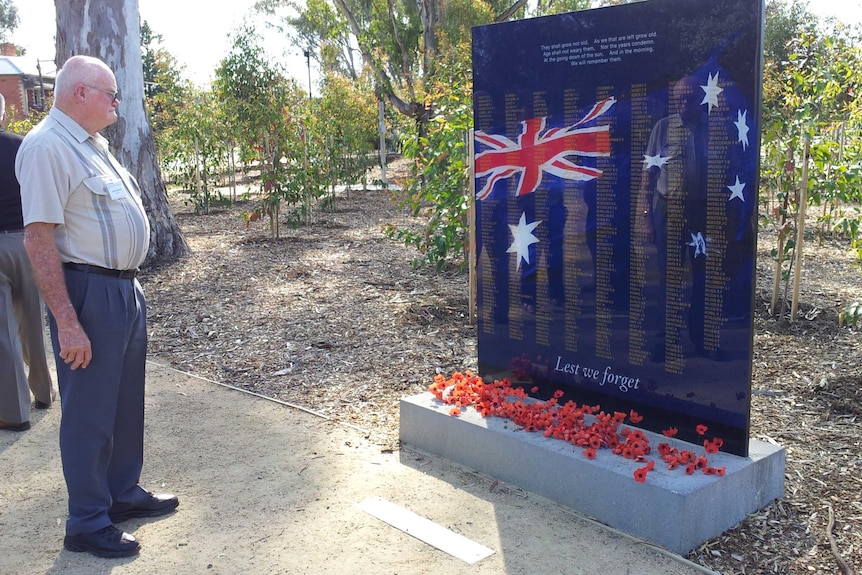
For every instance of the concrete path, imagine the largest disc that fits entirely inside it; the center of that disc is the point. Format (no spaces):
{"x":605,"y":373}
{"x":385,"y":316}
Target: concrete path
{"x":269,"y":489}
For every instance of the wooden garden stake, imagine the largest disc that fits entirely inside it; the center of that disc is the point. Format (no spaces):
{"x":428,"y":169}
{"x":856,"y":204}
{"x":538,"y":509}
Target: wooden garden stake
{"x":782,"y":236}
{"x":800,"y":229}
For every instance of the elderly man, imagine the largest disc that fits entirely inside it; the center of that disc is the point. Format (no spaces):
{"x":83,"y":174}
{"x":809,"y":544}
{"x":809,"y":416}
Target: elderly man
{"x":21,"y":334}
{"x":86,"y":233}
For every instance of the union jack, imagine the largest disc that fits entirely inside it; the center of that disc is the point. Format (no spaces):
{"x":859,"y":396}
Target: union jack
{"x":541,"y":150}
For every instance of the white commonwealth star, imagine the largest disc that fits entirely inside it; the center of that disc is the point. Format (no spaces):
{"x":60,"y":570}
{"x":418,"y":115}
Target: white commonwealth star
{"x":711,"y":92}
{"x":522,"y":239}
{"x":698,"y":243}
{"x":736,"y":190}
{"x":655,"y":161}
{"x":742,"y":127}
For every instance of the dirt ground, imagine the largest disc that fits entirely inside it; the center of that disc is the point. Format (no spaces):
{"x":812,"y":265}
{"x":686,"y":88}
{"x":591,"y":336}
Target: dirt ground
{"x":333,"y":318}
{"x":268,"y":489}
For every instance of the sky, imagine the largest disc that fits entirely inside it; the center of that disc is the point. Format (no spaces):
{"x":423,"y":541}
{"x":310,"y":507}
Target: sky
{"x":197,"y":32}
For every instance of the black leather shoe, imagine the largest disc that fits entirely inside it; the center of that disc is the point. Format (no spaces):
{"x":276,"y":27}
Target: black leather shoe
{"x":155,"y":506}
{"x":14,"y":426}
{"x":106,"y":542}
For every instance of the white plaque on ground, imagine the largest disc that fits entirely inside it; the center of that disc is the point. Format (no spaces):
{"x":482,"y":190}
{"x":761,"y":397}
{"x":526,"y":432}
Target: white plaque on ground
{"x":426,"y":530}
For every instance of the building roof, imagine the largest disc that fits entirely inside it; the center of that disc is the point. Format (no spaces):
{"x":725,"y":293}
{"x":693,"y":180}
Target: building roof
{"x":25,"y":66}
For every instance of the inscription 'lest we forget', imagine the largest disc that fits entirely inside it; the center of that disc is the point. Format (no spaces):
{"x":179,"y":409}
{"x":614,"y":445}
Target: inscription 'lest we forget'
{"x":607,"y":377}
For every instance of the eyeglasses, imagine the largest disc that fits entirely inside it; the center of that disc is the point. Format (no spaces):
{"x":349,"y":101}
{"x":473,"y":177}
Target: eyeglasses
{"x":114,"y":94}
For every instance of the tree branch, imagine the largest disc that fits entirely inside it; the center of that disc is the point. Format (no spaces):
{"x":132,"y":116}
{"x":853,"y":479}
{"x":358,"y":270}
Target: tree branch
{"x":510,"y":11}
{"x":846,"y":568}
{"x":408,"y":78}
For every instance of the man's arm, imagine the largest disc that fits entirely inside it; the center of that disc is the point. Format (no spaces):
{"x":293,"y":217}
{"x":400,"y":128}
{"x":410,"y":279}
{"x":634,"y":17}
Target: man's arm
{"x":75,"y":346}
{"x":644,"y":205}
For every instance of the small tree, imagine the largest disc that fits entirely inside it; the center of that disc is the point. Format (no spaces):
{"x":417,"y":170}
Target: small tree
{"x":193,"y":147}
{"x":347,"y":125}
{"x":440,"y":191}
{"x":269,"y":114}
{"x":811,"y":90}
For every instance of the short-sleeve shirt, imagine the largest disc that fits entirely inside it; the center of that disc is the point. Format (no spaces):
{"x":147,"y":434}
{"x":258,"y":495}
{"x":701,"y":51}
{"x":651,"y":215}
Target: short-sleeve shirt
{"x":70,"y":178}
{"x":683,"y":150}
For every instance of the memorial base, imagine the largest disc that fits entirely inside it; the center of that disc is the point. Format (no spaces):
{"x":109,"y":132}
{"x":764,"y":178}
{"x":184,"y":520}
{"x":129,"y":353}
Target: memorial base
{"x":672,"y":509}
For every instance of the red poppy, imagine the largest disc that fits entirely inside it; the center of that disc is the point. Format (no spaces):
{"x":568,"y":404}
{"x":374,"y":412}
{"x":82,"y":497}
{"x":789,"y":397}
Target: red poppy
{"x":710,"y":446}
{"x":640,"y":475}
{"x":689,"y":469}
{"x":590,"y":453}
{"x":558,"y":394}
{"x":701,"y":429}
{"x":670,"y":432}
{"x":635,"y":418}
{"x":454,"y":412}
{"x":638,"y":447}
{"x":638,"y":435}
{"x":534,"y":389}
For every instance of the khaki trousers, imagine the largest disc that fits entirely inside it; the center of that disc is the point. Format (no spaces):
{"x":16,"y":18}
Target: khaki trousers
{"x":22,"y":343}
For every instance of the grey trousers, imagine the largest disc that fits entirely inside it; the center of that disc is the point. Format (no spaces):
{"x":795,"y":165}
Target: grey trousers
{"x":22,"y":341}
{"x":102,"y":429}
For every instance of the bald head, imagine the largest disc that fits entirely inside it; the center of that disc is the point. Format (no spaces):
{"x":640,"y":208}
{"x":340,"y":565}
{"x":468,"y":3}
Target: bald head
{"x":82,"y":91}
{"x":686,"y":98}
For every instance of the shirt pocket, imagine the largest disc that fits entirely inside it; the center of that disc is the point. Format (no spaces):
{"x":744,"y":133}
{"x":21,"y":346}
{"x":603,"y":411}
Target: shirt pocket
{"x":106,"y":186}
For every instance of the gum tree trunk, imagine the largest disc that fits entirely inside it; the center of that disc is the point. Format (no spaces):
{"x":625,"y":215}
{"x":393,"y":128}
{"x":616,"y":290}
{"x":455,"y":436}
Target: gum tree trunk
{"x":111,"y":31}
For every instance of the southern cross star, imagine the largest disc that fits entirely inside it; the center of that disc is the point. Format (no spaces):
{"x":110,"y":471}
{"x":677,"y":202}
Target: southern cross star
{"x":742,"y":128}
{"x":736,"y":190}
{"x":655,"y":161}
{"x":698,"y":243}
{"x":522,"y":239}
{"x":711,"y":92}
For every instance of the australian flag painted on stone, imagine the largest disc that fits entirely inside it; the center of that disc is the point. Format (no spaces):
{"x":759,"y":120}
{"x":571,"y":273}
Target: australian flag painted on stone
{"x":616,"y":176}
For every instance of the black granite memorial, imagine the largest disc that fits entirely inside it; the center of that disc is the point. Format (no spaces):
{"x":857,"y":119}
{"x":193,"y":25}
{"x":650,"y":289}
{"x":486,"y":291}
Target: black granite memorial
{"x":616,"y":177}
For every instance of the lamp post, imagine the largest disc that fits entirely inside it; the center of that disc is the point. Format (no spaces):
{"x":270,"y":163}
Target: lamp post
{"x":307,"y":54}
{"x":41,"y":106}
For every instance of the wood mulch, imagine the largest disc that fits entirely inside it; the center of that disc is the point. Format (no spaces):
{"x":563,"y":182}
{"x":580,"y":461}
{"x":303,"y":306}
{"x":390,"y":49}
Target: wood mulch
{"x":332,"y":317}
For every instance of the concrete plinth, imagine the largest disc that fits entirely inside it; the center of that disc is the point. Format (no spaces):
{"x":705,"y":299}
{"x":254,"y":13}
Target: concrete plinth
{"x":672,"y":509}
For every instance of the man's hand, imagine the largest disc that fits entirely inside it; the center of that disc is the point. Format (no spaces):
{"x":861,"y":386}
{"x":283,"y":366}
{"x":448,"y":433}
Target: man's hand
{"x":75,"y":347}
{"x":648,"y":226}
